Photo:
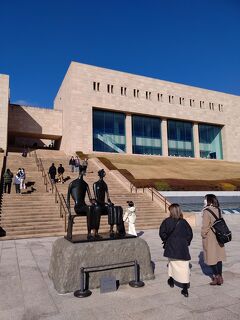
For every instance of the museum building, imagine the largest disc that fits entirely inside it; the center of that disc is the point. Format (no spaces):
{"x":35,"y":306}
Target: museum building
{"x":102,"y":110}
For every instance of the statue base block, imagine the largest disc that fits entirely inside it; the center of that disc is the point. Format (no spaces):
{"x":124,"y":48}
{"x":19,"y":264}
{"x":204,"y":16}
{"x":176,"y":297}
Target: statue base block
{"x":103,"y":236}
{"x":67,"y":258}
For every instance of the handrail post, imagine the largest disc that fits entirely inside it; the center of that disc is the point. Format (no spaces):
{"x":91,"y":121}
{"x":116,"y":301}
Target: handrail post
{"x":61,"y":215}
{"x":136,"y":283}
{"x":82,"y":293}
{"x":65,"y":222}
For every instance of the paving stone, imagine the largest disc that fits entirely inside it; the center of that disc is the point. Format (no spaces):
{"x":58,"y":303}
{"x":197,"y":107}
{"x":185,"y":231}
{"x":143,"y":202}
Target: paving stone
{"x":27,"y":293}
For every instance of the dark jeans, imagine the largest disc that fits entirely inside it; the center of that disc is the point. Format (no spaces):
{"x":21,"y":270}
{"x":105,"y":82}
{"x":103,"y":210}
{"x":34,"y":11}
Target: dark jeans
{"x":7,"y":187}
{"x":217,"y":268}
{"x":17,"y":186}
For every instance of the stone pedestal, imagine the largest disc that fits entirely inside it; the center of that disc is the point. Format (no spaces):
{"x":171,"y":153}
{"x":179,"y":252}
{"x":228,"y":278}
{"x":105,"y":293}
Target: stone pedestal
{"x":67,"y":258}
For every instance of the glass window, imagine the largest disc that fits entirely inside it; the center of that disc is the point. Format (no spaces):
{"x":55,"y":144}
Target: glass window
{"x":146,"y":135}
{"x":108,"y":131}
{"x":210,"y":141}
{"x":180,"y":139}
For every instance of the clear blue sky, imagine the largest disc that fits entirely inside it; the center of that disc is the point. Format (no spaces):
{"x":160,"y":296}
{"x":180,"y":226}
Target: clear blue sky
{"x":194,"y":42}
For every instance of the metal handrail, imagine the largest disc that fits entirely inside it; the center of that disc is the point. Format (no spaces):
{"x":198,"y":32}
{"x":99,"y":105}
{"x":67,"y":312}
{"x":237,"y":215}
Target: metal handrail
{"x":153,"y":193}
{"x":1,"y":181}
{"x":68,"y":212}
{"x":59,"y":198}
{"x":160,"y":197}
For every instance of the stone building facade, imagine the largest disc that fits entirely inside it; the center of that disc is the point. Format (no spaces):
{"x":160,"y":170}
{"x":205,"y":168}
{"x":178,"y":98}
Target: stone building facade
{"x":102,"y":110}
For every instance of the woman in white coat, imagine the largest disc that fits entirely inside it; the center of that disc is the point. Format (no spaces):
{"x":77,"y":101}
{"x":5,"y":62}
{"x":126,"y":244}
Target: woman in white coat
{"x":130,"y":218}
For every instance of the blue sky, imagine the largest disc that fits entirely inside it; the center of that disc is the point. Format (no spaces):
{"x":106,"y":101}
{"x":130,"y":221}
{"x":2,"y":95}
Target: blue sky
{"x":194,"y":42}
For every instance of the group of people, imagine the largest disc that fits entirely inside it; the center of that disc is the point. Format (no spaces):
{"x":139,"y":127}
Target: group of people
{"x":19,"y":180}
{"x":53,"y":171}
{"x":75,"y":164}
{"x":177,"y":235}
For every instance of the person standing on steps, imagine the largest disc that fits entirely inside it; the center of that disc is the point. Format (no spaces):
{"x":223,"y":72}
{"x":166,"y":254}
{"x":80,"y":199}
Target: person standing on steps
{"x":22,"y":176}
{"x":17,"y":182}
{"x":7,"y":179}
{"x":176,"y":235}
{"x":77,"y":164}
{"x":52,"y":172}
{"x":213,"y":252}
{"x":72,"y":164}
{"x":61,"y":171}
{"x":85,"y":165}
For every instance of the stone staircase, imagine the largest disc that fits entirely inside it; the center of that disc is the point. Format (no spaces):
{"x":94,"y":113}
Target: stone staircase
{"x":149,"y":215}
{"x":35,"y":214}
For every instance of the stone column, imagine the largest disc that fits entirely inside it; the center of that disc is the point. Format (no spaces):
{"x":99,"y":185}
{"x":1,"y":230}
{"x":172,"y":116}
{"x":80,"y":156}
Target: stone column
{"x":4,"y":102}
{"x":128,"y":133}
{"x":196,"y":141}
{"x":164,"y":138}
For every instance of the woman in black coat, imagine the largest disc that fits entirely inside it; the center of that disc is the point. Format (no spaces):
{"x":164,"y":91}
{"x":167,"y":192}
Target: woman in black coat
{"x":176,"y":235}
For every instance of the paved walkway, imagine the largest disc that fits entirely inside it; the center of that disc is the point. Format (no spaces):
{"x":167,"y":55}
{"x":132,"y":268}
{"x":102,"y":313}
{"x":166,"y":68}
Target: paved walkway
{"x":26,"y":292}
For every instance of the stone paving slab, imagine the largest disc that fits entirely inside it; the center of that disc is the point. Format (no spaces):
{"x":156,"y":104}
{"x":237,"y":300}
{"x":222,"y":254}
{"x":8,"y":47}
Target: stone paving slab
{"x":27,"y":293}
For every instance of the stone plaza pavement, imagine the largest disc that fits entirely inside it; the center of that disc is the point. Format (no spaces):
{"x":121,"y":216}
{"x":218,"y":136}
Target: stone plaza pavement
{"x":26,"y":292}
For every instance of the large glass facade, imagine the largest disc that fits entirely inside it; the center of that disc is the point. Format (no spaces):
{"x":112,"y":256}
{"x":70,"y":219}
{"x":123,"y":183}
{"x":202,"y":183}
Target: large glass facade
{"x":180,"y":139}
{"x":146,"y":135}
{"x":210,"y":141}
{"x":109,"y":131}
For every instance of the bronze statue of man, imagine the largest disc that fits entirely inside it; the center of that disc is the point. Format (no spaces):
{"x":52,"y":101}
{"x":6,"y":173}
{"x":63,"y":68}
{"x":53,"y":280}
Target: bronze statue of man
{"x":100,"y":190}
{"x":78,"y":189}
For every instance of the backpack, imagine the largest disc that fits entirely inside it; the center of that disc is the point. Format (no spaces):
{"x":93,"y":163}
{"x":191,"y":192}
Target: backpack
{"x":220,"y":228}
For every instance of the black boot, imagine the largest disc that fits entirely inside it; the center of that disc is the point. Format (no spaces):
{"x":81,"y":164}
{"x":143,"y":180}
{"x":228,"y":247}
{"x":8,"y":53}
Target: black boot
{"x":185,"y":290}
{"x":170,"y":282}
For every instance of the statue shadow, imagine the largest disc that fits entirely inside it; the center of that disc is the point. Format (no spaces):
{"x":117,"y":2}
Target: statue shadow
{"x":204,"y":267}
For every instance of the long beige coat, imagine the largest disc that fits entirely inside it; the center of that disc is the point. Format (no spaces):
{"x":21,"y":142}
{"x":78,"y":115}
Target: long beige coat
{"x":212,"y":251}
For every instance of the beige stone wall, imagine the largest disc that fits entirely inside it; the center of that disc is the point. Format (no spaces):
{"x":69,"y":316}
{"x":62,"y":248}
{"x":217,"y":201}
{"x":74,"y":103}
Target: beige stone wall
{"x":78,"y":98}
{"x":4,"y":100}
{"x":40,"y":122}
{"x":63,"y":102}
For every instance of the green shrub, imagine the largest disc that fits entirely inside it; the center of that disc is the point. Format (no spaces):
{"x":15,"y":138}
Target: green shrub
{"x":162,"y":186}
{"x":226,"y":186}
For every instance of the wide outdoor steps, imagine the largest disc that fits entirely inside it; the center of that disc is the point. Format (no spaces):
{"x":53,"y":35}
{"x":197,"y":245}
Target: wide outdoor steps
{"x":149,"y":215}
{"x":34,"y":212}
{"x":37,"y":215}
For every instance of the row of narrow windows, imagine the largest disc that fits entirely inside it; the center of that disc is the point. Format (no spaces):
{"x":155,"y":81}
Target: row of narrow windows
{"x":171,"y":99}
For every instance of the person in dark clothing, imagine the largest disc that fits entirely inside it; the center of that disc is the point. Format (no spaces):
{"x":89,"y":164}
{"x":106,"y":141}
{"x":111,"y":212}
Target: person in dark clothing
{"x":85,"y":165}
{"x":17,"y":182}
{"x":72,"y":163}
{"x":52,"y":172}
{"x":7,"y":178}
{"x":176,"y":235}
{"x":61,"y":171}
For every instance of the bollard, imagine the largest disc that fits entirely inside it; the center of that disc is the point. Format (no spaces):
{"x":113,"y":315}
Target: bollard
{"x":82,"y":293}
{"x":136,"y":283}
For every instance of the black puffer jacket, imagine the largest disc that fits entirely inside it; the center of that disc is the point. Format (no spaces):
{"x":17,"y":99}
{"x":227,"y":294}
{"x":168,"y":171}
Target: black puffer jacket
{"x":177,"y":242}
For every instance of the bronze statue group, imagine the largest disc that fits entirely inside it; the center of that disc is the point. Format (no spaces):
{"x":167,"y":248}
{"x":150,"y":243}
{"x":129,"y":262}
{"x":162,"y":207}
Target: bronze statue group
{"x":78,"y":190}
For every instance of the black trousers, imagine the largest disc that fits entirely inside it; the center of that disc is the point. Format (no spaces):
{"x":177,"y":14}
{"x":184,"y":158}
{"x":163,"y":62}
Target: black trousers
{"x":217,"y":268}
{"x":17,"y":186}
{"x":7,"y":187}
